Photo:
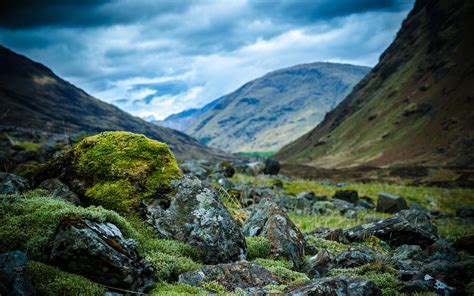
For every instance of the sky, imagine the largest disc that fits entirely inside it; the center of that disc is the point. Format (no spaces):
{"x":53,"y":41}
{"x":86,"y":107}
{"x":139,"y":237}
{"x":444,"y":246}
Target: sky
{"x":157,"y":58}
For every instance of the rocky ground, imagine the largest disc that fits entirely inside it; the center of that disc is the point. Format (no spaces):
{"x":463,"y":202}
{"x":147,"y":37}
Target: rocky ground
{"x":87,"y":223}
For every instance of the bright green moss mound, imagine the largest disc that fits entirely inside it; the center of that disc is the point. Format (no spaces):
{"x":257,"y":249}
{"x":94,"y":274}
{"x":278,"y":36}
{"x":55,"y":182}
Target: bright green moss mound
{"x":257,"y":247}
{"x":52,"y":281}
{"x":124,"y":168}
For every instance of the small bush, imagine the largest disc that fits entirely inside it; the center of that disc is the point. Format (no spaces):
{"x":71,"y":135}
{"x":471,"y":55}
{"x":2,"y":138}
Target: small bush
{"x":50,"y":280}
{"x":257,"y":247}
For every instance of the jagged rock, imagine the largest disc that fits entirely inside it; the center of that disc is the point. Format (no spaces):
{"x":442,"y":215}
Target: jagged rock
{"x":453,"y":273}
{"x":227,"y":169}
{"x":407,"y":257}
{"x":14,"y":278}
{"x":318,"y":265}
{"x":441,"y":250}
{"x":465,"y":243}
{"x":197,"y":217}
{"x":338,"y":285}
{"x":61,"y":190}
{"x":426,"y":284}
{"x":390,"y":203}
{"x":195,"y":168}
{"x":332,"y":234}
{"x":253,"y":168}
{"x":239,"y":275}
{"x":253,"y":195}
{"x":407,"y":227}
{"x":311,"y":196}
{"x":272,"y":167}
{"x":347,"y":195}
{"x":466,"y":212}
{"x":286,"y":239}
{"x":12,"y":184}
{"x":356,"y":256}
{"x":366,"y":202}
{"x":99,"y":252}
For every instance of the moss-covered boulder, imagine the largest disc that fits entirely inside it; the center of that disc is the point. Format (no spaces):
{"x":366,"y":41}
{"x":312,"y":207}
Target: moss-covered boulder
{"x":116,"y":170}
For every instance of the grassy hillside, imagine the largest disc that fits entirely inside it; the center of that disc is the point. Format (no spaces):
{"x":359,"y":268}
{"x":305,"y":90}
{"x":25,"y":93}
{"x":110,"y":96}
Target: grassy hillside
{"x":414,"y":108}
{"x":271,"y":111}
{"x":32,"y":96}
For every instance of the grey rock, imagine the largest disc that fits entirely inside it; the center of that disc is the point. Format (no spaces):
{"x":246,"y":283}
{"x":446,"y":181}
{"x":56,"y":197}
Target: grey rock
{"x":286,"y":240}
{"x":100,"y":252}
{"x":390,"y":203}
{"x":465,"y":212}
{"x":318,"y":265}
{"x":197,"y":217}
{"x":232,"y":276}
{"x":441,"y":250}
{"x":465,"y":243}
{"x":356,"y":256}
{"x":12,"y":184}
{"x":272,"y":167}
{"x":226,"y":168}
{"x":407,"y":257}
{"x":452,"y":273}
{"x":426,"y":284}
{"x":407,"y":227}
{"x":14,"y":278}
{"x":347,"y":195}
{"x":196,"y":169}
{"x":332,"y":234}
{"x":253,"y":168}
{"x":338,"y":285}
{"x":61,"y":190}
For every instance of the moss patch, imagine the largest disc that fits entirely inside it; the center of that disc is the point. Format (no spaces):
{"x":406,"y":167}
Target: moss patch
{"x":50,"y":280}
{"x":176,"y":289}
{"x":257,"y":247}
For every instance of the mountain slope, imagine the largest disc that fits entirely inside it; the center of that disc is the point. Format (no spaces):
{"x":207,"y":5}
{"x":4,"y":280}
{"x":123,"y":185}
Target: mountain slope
{"x":271,"y":111}
{"x":32,"y":96}
{"x":414,"y":108}
{"x":183,"y":120}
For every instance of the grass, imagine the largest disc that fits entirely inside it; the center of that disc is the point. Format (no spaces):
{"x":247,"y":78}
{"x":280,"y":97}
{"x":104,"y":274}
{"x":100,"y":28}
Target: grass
{"x":262,"y":154}
{"x":28,"y":146}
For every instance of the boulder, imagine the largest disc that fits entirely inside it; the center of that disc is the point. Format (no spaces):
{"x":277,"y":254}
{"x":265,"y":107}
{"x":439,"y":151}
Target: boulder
{"x":61,"y":190}
{"x":332,"y":234}
{"x":347,"y":195}
{"x":407,"y":257}
{"x":115,"y":170}
{"x":227,"y":169}
{"x":286,"y":240}
{"x":100,"y":252}
{"x":195,"y":169}
{"x":253,"y":195}
{"x":252,"y":168}
{"x":14,"y":279}
{"x":197,"y":217}
{"x":465,"y":212}
{"x":465,"y":243}
{"x":390,"y":203}
{"x":232,"y":276}
{"x":12,"y":184}
{"x":424,"y":285}
{"x":453,"y":273}
{"x":272,"y":167}
{"x":441,"y":250}
{"x":338,"y":285}
{"x":407,"y":227}
{"x":356,"y":256}
{"x":318,"y":265}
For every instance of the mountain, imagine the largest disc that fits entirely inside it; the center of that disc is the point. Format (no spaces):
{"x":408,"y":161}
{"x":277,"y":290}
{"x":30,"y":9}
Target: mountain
{"x":183,"y":120}
{"x":271,"y":111}
{"x":415,"y":108}
{"x":32,"y":96}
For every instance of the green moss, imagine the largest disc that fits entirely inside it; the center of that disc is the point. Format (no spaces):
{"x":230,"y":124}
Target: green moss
{"x":27,"y":146}
{"x":214,"y":287}
{"x":282,"y":270}
{"x":176,"y":289}
{"x":257,"y":247}
{"x":332,"y":247}
{"x":168,"y":267}
{"x":27,"y":222}
{"x":50,"y":280}
{"x":118,"y":195}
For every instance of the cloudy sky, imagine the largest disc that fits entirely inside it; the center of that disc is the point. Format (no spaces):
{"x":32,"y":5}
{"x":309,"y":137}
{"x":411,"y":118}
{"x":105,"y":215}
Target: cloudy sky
{"x":161,"y":57}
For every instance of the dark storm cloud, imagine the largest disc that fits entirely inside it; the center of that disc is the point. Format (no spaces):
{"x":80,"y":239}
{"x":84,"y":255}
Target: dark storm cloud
{"x":160,"y":57}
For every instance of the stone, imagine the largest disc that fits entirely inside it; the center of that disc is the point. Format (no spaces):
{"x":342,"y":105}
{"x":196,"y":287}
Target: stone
{"x":227,"y":169}
{"x":465,"y":212}
{"x":426,"y":284}
{"x":194,"y":169}
{"x":61,"y":190}
{"x":338,"y":285}
{"x":100,"y":252}
{"x":441,"y":250}
{"x":318,"y":265}
{"x":253,"y":195}
{"x":408,"y":257}
{"x":465,"y":243}
{"x":12,"y":184}
{"x":232,"y":276}
{"x":14,"y":278}
{"x":347,"y":195}
{"x":332,"y":234}
{"x":453,"y":273}
{"x":272,"y":167}
{"x":253,"y":168}
{"x":390,"y":203}
{"x":286,"y":240}
{"x":197,"y":217}
{"x":356,"y":256}
{"x":407,"y":227}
